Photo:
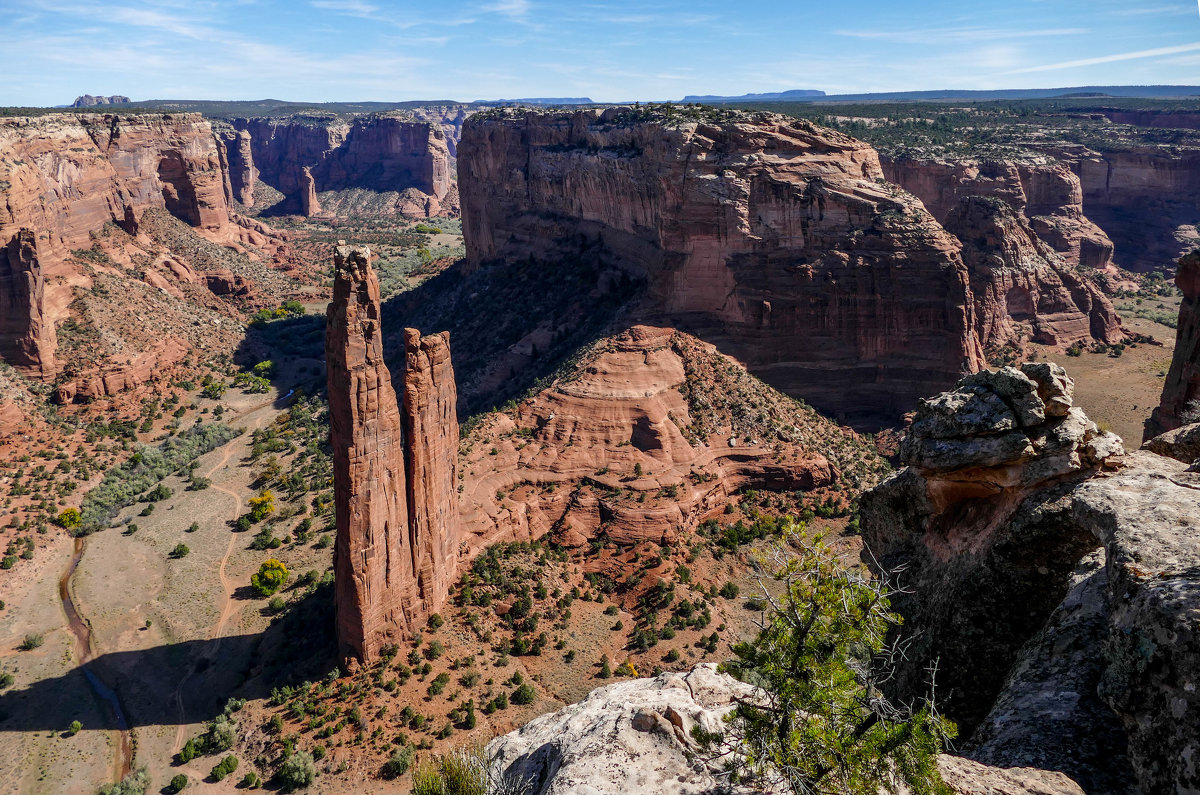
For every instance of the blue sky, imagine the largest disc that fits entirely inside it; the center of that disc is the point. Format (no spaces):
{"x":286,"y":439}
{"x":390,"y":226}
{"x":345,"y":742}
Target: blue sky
{"x":328,"y":50}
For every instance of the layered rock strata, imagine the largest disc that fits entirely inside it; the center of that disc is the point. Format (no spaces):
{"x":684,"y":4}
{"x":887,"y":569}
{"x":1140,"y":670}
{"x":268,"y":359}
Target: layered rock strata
{"x":977,"y":516}
{"x":777,"y":240}
{"x":391,"y":152}
{"x":1022,"y":285}
{"x":394,"y":468}
{"x":64,"y":176}
{"x":615,"y":447}
{"x":1044,"y":192}
{"x":1178,"y":404}
{"x":374,"y":558}
{"x":27,"y":339}
{"x":430,"y":425}
{"x":240,"y":157}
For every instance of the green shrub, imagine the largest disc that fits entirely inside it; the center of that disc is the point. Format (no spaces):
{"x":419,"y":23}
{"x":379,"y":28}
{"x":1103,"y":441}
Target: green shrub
{"x":271,"y":576}
{"x":822,"y":724}
{"x":180,"y":551}
{"x":75,"y":728}
{"x":32,"y":641}
{"x":297,"y":771}
{"x":224,"y":767}
{"x":178,"y":783}
{"x":524,"y":695}
{"x":398,"y":763}
{"x":135,"y":783}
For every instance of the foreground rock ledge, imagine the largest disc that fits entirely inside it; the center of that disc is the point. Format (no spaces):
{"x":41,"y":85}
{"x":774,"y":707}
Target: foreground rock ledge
{"x":635,"y":737}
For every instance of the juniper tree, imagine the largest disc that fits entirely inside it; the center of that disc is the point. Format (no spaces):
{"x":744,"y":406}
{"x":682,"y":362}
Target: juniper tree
{"x":820,"y":722}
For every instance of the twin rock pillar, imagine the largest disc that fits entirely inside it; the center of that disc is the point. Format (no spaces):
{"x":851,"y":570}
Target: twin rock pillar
{"x":394,"y":467}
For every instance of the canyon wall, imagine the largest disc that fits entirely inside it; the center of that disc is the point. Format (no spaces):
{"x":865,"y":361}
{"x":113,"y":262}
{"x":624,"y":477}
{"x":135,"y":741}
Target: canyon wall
{"x":62,"y":178}
{"x":1052,"y":581}
{"x":27,"y":339}
{"x":379,"y":152}
{"x":775,"y":239}
{"x":1177,"y":405}
{"x":1044,"y":192}
{"x":65,"y":175}
{"x":1018,"y":279}
{"x":645,"y":438}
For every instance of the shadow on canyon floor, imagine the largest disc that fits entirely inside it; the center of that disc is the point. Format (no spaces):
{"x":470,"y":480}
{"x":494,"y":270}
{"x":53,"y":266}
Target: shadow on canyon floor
{"x":186,"y":682}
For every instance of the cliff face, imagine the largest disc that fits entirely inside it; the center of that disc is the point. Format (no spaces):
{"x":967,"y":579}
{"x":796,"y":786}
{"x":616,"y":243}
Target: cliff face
{"x":1019,"y":279}
{"x":27,"y":339}
{"x":394,"y":469}
{"x":374,"y":558}
{"x":1182,"y":386}
{"x":771,"y":237}
{"x":431,"y":463}
{"x":1044,"y":192}
{"x":240,"y":159}
{"x":1055,"y":579}
{"x":384,"y":152}
{"x":978,"y":518}
{"x":64,"y":176}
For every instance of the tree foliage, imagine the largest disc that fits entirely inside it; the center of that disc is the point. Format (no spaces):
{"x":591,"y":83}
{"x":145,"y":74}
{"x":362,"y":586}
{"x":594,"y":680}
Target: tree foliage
{"x":820,"y":722}
{"x":271,"y":576}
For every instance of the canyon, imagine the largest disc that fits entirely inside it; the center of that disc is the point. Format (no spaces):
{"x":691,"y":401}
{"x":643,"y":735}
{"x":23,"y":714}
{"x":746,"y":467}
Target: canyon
{"x":664,"y":324}
{"x":406,"y":153}
{"x":777,"y":241}
{"x":413,"y":508}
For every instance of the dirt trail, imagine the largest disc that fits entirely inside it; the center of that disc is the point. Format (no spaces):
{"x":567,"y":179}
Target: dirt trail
{"x":122,"y":763}
{"x":229,"y":607}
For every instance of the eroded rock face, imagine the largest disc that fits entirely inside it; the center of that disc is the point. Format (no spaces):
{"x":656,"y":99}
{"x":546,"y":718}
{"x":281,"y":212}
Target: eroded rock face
{"x":629,"y":737}
{"x":1182,"y":388}
{"x":1045,"y":193}
{"x":375,"y":561}
{"x":775,"y":239}
{"x":1049,"y":714}
{"x":240,"y":157}
{"x":993,"y":543}
{"x":27,"y":339}
{"x":431,"y":463}
{"x":624,"y":412}
{"x":1019,"y":280}
{"x":395,"y":474}
{"x":1146,"y":517}
{"x":309,"y":206}
{"x":380,"y":152}
{"x":66,"y":175}
{"x":978,"y":518}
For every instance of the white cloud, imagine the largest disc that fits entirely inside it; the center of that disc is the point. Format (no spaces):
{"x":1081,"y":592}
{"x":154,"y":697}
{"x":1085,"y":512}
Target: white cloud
{"x":1124,"y":56}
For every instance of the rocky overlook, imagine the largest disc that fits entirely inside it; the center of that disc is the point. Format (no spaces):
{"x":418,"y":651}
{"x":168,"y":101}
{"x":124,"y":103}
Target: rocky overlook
{"x":1047,"y":576}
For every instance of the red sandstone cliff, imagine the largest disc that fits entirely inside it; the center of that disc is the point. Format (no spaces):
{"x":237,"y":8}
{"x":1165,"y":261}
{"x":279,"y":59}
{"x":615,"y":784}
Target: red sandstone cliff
{"x":1018,"y":280}
{"x":1181,"y":390}
{"x":380,"y":152}
{"x":240,"y":159}
{"x":652,"y":413}
{"x":775,"y":239}
{"x":431,"y":463}
{"x":27,"y":340}
{"x":64,"y":176}
{"x":374,"y":558}
{"x":1043,"y":191}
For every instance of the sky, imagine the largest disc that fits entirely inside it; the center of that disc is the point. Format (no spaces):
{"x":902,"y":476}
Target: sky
{"x":357,"y":50}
